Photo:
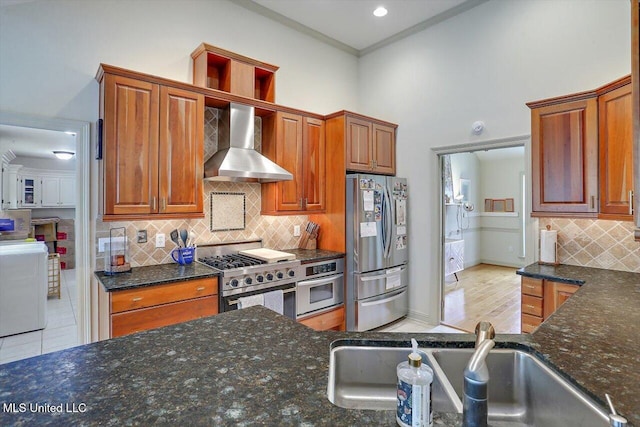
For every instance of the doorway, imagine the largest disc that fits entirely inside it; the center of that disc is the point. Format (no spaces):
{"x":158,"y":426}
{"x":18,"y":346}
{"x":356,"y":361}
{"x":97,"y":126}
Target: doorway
{"x":74,"y":282}
{"x":484,"y":234}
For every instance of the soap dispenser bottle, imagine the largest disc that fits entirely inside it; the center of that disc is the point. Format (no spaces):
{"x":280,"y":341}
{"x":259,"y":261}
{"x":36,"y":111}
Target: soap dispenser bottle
{"x":415,"y":381}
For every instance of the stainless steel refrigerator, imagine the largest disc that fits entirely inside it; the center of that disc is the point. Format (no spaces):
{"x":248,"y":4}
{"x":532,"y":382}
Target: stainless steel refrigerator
{"x":377,"y":251}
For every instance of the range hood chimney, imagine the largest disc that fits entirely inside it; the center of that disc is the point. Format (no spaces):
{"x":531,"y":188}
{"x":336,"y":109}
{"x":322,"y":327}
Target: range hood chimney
{"x":236,"y":158}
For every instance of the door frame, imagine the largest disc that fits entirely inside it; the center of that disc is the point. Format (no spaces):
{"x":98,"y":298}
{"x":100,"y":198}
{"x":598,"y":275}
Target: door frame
{"x":83,"y":203}
{"x":530,"y":223}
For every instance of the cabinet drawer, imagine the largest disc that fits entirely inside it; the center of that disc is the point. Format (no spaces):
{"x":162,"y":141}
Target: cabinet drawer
{"x":132,"y":299}
{"x":332,"y":320}
{"x":532,"y":305}
{"x":531,"y":286}
{"x":163,"y":315}
{"x":530,"y":323}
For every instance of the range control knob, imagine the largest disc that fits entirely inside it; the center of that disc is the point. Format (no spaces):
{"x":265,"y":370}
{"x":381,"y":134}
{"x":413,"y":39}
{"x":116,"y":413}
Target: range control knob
{"x":280,"y":275}
{"x":233,"y":283}
{"x":247,"y":280}
{"x":269,"y":276}
{"x":260,"y":278}
{"x":291,"y":273}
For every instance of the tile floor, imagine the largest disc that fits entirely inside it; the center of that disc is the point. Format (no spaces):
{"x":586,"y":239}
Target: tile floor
{"x":61,"y":331}
{"x":483,"y":292}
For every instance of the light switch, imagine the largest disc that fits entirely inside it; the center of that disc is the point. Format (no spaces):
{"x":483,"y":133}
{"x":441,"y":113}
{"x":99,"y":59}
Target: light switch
{"x":160,"y":238}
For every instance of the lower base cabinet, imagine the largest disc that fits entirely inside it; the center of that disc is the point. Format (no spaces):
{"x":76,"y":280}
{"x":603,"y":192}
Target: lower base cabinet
{"x":134,"y":310}
{"x":327,"y":321}
{"x":540,"y":299}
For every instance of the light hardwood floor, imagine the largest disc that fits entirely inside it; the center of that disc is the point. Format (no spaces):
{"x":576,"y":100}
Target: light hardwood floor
{"x":483,"y":292}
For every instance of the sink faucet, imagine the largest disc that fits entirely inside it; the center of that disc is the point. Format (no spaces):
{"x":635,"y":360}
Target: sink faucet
{"x":476,"y":379}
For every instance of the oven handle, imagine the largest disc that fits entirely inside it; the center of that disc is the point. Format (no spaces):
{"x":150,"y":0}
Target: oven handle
{"x":285,"y":291}
{"x":322,"y":280}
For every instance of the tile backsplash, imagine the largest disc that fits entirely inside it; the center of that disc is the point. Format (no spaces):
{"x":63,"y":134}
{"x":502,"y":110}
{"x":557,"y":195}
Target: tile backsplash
{"x":596,"y":243}
{"x":276,"y":232}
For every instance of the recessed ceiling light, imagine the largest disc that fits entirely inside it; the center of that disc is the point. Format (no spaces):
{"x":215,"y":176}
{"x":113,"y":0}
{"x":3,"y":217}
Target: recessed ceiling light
{"x":64,"y":155}
{"x":70,"y":133}
{"x":380,"y":12}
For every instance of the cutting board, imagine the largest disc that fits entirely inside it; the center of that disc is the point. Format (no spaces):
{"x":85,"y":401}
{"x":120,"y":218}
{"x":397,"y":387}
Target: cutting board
{"x":268,"y":255}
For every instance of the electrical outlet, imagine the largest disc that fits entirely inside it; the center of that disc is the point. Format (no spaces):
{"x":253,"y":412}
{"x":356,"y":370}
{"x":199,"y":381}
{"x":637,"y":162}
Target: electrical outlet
{"x":296,"y":230}
{"x":160,"y":238}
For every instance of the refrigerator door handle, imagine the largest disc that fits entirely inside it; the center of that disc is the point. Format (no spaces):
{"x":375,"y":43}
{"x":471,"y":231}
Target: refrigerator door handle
{"x":390,"y":272}
{"x":388,"y":223}
{"x":394,"y":296}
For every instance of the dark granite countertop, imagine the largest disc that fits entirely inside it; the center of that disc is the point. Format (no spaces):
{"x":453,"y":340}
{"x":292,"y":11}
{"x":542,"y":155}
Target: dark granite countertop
{"x":255,"y":367}
{"x":311,"y":255}
{"x":154,"y":275}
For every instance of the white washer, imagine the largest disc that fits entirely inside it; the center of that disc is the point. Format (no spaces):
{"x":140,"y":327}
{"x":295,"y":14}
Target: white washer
{"x":23,"y":287}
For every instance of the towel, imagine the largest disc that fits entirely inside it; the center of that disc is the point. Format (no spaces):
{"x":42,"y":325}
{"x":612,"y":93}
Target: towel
{"x":274,"y":300}
{"x":245,"y":302}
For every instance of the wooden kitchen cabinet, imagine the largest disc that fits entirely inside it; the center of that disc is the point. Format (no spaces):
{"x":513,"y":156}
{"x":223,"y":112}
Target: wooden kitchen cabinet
{"x":616,"y":150}
{"x":153,"y":148}
{"x":329,"y":321}
{"x":555,"y":294}
{"x":540,"y":299}
{"x":297,"y":143}
{"x":133,"y":310}
{"x":370,"y":146}
{"x":220,"y":69}
{"x":564,"y":151}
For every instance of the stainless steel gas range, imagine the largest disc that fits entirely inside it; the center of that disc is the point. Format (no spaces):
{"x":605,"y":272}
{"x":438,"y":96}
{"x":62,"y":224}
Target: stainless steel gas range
{"x":243,"y":275}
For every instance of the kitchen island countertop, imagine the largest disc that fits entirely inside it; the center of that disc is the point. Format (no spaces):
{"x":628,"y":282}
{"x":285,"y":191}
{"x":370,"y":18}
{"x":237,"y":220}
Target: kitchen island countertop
{"x":255,"y":367}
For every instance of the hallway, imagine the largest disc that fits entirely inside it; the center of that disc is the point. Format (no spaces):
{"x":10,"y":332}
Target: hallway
{"x":484,"y":292}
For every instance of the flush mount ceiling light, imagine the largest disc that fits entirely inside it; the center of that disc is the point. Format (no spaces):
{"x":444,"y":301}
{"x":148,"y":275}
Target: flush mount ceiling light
{"x":380,"y":11}
{"x":64,"y":155}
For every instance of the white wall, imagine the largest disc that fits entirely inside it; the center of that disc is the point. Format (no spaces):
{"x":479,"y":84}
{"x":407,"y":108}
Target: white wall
{"x":50,"y":52}
{"x":501,"y":236}
{"x":482,"y":65}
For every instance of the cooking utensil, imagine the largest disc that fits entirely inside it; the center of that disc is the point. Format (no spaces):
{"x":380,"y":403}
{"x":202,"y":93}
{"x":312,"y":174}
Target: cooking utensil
{"x":192,"y":239}
{"x":174,"y":237}
{"x":184,"y":236}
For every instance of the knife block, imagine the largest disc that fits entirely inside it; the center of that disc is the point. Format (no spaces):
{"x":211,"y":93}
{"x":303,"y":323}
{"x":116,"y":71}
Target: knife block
{"x":308,"y":241}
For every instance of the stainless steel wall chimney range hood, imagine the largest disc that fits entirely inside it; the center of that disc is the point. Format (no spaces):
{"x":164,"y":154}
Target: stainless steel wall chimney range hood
{"x":236,"y":158}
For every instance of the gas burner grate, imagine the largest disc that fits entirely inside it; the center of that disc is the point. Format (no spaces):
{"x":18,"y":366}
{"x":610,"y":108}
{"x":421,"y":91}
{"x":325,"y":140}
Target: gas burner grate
{"x":228,"y":262}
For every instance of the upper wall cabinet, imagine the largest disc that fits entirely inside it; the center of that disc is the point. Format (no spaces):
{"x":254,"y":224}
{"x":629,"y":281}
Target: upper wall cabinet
{"x":370,"y":144}
{"x":216,"y":68}
{"x":153,"y":137}
{"x":616,"y":150}
{"x":635,"y":82}
{"x":564,"y":153}
{"x":582,"y":154}
{"x":297,"y":143}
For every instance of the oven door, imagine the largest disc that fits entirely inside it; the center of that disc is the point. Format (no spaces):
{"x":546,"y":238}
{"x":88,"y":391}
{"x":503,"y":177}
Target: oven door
{"x":317,"y":294}
{"x":230,"y":302}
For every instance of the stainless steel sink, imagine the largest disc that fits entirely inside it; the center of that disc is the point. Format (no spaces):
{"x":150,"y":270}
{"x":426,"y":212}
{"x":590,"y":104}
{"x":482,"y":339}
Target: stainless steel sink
{"x":522,"y":390}
{"x":362,"y":377}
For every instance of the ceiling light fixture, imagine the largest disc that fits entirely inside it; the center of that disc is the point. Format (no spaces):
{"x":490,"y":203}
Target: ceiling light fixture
{"x":64,"y":155}
{"x":70,"y":133}
{"x":380,"y":11}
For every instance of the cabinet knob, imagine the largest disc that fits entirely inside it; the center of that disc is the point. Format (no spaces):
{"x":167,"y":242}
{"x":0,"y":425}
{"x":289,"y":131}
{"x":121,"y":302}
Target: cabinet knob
{"x":136,"y":299}
{"x":200,"y":288}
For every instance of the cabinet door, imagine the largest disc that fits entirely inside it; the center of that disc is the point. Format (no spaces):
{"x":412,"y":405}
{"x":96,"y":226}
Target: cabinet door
{"x":130,"y":146}
{"x":313,"y":164}
{"x":555,"y":294}
{"x":564,"y":151}
{"x":289,"y":156}
{"x":67,"y":191}
{"x":616,"y":153}
{"x":30,"y":194}
{"x":181,"y":151}
{"x":50,"y":191}
{"x":384,"y":149}
{"x":359,"y":147}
